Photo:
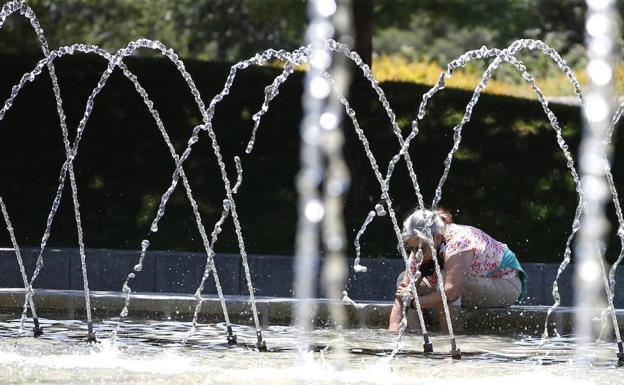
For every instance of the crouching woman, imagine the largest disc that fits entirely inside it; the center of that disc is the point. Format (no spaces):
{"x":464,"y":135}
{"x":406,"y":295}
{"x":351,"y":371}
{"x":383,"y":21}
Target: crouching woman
{"x":479,"y":271}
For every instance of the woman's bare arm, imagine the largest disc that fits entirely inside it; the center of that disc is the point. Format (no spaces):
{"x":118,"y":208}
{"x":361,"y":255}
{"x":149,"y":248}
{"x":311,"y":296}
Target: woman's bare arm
{"x":455,"y":266}
{"x":396,"y":315}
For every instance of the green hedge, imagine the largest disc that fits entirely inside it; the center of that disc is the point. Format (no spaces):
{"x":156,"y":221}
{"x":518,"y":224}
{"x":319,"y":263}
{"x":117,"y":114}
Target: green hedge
{"x":508,"y":178}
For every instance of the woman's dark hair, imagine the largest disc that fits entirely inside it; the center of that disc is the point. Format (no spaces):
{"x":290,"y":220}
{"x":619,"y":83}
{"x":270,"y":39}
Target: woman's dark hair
{"x":446,"y":215}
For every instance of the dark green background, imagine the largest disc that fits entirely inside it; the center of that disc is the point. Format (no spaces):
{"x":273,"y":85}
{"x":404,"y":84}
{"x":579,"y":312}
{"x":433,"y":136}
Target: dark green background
{"x":508,"y":178}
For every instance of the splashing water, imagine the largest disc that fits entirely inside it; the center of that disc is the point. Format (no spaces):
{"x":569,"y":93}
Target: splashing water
{"x":335,"y":185}
{"x":356,"y":265}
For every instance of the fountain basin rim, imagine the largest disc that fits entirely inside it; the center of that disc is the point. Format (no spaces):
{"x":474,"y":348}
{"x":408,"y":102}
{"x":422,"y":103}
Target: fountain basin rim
{"x":69,"y":304}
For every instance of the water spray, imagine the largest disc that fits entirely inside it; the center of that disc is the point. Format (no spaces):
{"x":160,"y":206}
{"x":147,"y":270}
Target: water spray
{"x":37,"y":330}
{"x":601,"y":31}
{"x":599,"y":25}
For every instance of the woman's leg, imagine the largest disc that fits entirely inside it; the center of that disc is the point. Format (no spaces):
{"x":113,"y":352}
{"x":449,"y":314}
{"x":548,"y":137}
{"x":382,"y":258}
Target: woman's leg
{"x":482,"y":292}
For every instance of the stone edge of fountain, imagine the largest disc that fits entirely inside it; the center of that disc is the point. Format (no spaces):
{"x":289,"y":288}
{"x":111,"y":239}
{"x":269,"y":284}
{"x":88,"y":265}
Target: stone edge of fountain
{"x":69,"y":304}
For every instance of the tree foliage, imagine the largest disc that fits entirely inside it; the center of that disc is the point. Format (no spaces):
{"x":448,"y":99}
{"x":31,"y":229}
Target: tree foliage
{"x":441,"y":30}
{"x":227,"y":30}
{"x":222,"y":30}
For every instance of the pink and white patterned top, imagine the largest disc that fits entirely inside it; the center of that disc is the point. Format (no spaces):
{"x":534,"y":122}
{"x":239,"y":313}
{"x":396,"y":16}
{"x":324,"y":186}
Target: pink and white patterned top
{"x":488,"y":252}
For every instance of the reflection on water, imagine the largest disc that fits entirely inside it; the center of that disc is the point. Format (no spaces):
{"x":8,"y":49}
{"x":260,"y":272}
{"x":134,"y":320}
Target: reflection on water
{"x":149,"y":352}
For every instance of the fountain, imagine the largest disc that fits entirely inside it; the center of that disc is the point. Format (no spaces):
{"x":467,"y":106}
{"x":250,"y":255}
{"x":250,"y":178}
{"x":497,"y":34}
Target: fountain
{"x":185,"y":351}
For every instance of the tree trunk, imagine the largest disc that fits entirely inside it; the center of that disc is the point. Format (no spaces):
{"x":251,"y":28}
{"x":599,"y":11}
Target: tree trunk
{"x":363,"y":26}
{"x":360,"y":192}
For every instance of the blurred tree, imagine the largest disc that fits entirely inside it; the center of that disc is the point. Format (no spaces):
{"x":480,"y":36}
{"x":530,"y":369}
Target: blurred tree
{"x":439,"y":31}
{"x":223,"y":30}
{"x":363,"y":27}
{"x":229,"y":30}
{"x":510,"y":19}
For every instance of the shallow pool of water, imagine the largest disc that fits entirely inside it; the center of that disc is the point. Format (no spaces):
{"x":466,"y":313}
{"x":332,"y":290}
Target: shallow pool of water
{"x":149,"y":352}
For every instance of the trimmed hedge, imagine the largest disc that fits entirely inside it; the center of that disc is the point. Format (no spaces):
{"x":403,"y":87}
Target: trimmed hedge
{"x":509,"y":176}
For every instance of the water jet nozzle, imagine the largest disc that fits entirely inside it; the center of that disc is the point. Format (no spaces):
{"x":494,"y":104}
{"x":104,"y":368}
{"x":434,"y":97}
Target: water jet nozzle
{"x":91,"y":333}
{"x":37,"y":330}
{"x":91,"y":337}
{"x":427,"y":346}
{"x":261,"y":344}
{"x":455,"y":352}
{"x":231,"y":337}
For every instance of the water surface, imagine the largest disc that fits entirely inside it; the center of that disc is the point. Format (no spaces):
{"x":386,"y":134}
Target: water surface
{"x":149,"y":352}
